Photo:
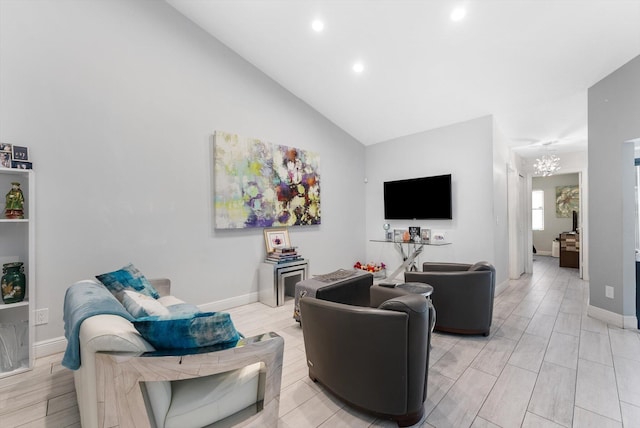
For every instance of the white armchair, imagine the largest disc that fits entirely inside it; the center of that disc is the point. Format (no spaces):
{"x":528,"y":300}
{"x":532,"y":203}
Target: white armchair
{"x":124,"y":382}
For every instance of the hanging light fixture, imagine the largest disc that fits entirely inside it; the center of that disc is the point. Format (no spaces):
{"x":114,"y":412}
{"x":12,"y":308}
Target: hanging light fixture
{"x":547,"y":165}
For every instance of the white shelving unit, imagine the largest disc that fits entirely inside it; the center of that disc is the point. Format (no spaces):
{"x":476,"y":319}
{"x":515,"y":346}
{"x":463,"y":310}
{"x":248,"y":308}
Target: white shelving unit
{"x":17,"y":243}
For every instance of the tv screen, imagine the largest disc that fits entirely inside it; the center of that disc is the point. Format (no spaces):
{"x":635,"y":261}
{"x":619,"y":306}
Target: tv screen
{"x":418,"y":198}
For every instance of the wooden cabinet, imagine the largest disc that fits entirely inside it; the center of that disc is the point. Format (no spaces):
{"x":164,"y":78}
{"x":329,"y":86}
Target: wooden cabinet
{"x":17,"y":244}
{"x":570,"y":249}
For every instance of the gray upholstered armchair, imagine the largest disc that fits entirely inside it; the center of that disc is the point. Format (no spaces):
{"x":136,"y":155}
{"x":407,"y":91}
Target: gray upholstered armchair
{"x":462,"y":295}
{"x":374,"y":358}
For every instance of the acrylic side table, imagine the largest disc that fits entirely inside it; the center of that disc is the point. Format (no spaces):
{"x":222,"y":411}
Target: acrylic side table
{"x":275,"y":280}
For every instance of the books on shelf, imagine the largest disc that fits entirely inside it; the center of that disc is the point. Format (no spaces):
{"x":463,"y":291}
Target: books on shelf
{"x":283,"y":255}
{"x":284,"y":250}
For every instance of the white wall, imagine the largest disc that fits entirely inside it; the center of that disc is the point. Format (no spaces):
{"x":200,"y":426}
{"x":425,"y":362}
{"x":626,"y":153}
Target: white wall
{"x":519,"y":218}
{"x":117,"y":101}
{"x":553,"y":225}
{"x":464,"y":150}
{"x":500,"y":205}
{"x":614,"y":109}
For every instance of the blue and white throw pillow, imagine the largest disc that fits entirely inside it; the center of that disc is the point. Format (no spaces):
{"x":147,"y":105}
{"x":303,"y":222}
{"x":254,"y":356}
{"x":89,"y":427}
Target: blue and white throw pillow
{"x":140,"y":305}
{"x":129,"y":277}
{"x":183,"y":330}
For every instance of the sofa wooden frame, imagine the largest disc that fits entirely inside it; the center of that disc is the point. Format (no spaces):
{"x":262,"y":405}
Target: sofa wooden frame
{"x":122,"y":400}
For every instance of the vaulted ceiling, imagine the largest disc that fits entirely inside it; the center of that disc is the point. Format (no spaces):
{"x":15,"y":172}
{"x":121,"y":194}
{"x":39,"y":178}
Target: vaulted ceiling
{"x":527,"y":62}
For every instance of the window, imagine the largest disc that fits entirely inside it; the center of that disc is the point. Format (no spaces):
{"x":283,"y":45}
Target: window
{"x":537,"y":210}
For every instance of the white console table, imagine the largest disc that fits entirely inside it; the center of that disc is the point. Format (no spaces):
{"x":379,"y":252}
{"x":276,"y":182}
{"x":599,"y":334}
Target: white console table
{"x":413,"y":250}
{"x":276,"y":279}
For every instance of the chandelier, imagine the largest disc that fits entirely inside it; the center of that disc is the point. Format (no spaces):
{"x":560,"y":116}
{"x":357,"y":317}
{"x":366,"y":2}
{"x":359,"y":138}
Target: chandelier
{"x":547,"y":165}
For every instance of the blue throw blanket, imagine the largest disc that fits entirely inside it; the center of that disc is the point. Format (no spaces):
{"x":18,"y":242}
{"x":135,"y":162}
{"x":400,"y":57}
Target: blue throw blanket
{"x":83,"y":300}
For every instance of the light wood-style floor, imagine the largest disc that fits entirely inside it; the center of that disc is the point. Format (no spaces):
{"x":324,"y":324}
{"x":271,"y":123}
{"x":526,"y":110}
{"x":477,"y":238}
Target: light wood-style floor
{"x":545,"y":364}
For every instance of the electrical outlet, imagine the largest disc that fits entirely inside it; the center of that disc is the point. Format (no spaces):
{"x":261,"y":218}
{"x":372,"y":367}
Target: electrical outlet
{"x":42,"y":316}
{"x":608,"y":291}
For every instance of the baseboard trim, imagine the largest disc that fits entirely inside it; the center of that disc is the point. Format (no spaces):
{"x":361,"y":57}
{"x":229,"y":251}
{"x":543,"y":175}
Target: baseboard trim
{"x":617,"y":320}
{"x":48,"y":347}
{"x":543,"y":253}
{"x":232,"y":302}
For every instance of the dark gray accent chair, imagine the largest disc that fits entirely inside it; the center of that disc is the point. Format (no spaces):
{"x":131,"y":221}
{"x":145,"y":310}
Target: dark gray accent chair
{"x":352,"y":290}
{"x":374,"y":358}
{"x":462,"y":295}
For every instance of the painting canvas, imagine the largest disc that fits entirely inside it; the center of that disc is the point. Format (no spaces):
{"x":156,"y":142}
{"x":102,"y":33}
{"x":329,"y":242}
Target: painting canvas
{"x":261,"y":184}
{"x":567,"y":200}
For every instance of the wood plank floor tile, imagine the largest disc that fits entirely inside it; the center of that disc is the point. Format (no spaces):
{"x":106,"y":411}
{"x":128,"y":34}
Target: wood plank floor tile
{"x":585,"y":419}
{"x":625,"y":343}
{"x":313,"y":412}
{"x":594,"y":325}
{"x":628,"y":379}
{"x":460,"y":405}
{"x":295,"y":395}
{"x":507,"y":403}
{"x":483,"y":423}
{"x":595,"y":347}
{"x":437,"y":387}
{"x":347,"y":417}
{"x":534,"y":421}
{"x":457,"y":359}
{"x":596,"y":389}
{"x":513,"y":327}
{"x":563,"y":350}
{"x":630,"y":415}
{"x":494,"y":355}
{"x":529,"y":352}
{"x":570,"y":306}
{"x":553,"y":397}
{"x":541,"y":325}
{"x":568,"y":324}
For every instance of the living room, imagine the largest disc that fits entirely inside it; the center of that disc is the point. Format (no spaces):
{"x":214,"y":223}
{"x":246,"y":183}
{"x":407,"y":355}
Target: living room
{"x":118,"y":101}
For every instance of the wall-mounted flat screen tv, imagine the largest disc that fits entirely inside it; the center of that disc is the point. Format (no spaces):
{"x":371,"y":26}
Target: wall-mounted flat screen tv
{"x":418,"y":198}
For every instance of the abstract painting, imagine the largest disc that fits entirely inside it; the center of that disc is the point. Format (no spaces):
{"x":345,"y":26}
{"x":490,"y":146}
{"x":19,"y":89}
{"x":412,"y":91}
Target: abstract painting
{"x":261,"y":184}
{"x":567,"y":200}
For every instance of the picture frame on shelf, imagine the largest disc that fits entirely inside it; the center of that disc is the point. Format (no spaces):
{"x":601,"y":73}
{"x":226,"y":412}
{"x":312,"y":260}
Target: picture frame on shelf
{"x":439,"y":237}
{"x":425,"y":234}
{"x":398,"y":235}
{"x":5,"y":147}
{"x":21,"y":165}
{"x":414,"y":234}
{"x":276,"y":237}
{"x":19,"y":153}
{"x":5,"y":159}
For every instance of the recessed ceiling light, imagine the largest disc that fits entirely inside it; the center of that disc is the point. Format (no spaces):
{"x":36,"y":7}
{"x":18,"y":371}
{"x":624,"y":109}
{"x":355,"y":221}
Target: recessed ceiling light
{"x":458,"y":14}
{"x":317,"y":25}
{"x":358,"y":67}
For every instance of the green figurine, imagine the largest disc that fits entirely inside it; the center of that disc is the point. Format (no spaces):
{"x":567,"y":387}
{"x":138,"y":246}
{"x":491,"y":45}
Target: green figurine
{"x":14,"y":204}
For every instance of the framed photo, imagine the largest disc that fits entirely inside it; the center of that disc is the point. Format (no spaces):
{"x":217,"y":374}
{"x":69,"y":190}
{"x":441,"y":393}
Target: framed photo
{"x":439,"y":237}
{"x":20,"y":153}
{"x":21,"y":165}
{"x":5,"y":159}
{"x":398,"y":235}
{"x":4,"y":147}
{"x":414,"y":233}
{"x":276,"y":237}
{"x":426,"y":235}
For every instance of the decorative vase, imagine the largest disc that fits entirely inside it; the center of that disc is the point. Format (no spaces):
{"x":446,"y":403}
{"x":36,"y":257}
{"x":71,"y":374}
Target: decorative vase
{"x":14,"y":202}
{"x":13,"y":282}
